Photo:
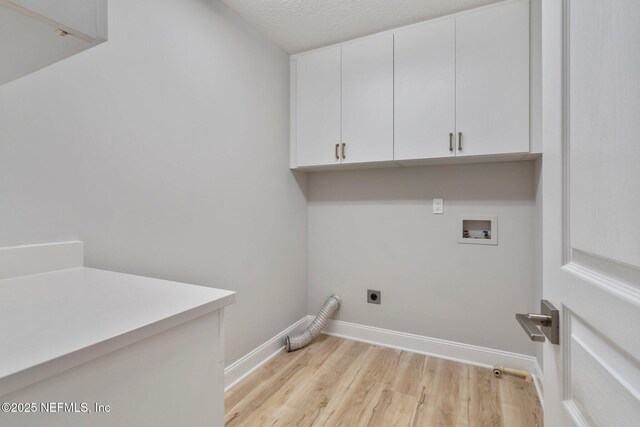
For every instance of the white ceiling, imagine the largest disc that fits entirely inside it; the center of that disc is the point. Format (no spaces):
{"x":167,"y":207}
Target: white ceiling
{"x":299,"y":25}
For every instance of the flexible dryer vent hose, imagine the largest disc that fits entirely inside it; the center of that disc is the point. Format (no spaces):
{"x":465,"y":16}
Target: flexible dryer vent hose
{"x":294,"y":342}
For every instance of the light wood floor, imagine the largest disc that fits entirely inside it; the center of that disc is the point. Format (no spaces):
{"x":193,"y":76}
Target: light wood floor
{"x":337,"y":382}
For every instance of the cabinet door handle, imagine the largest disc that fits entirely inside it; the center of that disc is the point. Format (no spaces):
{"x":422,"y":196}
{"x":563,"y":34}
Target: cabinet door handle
{"x":344,"y":156}
{"x":337,"y":156}
{"x":450,"y":141}
{"x":459,"y":141}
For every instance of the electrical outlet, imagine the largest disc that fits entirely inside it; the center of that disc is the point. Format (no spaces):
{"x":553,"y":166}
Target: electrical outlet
{"x":374,"y":297}
{"x":438,"y":206}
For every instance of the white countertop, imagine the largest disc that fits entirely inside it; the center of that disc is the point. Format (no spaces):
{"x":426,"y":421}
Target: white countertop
{"x":53,"y":321}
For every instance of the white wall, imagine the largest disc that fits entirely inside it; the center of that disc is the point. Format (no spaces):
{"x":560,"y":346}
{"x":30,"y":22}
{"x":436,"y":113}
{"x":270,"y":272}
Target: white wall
{"x":374,"y":229}
{"x":166,"y":150}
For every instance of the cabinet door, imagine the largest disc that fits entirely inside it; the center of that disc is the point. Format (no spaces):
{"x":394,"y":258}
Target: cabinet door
{"x":492,"y":80}
{"x":367,"y":99}
{"x":425,"y":71}
{"x":318,"y":83}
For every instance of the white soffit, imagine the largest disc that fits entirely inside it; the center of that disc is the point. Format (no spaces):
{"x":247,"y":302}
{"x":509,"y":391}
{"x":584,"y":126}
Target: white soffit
{"x":300,"y":25}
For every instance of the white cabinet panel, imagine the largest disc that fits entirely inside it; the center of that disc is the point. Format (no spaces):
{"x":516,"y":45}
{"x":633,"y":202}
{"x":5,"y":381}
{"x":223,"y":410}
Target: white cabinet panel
{"x":367,"y":99}
{"x":30,"y":32}
{"x":492,"y":80}
{"x":77,"y":16}
{"x":31,"y":45}
{"x":318,"y":82}
{"x":139,"y":392}
{"x":424,"y":98}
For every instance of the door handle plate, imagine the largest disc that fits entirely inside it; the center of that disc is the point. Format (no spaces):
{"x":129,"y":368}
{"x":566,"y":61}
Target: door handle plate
{"x":548,"y":321}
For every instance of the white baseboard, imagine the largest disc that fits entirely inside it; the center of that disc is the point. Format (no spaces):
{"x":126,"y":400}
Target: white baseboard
{"x":244,"y":366}
{"x":537,"y":382}
{"x":459,"y":352}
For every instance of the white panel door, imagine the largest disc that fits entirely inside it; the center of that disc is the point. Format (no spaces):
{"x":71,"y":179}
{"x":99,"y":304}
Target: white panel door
{"x":318,"y":107}
{"x":424,"y":82}
{"x":492,"y":80}
{"x":591,"y":203}
{"x":367,"y":99}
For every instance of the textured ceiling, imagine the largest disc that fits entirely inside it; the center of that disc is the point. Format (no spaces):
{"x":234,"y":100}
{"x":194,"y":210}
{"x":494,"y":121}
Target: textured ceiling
{"x":299,"y":25}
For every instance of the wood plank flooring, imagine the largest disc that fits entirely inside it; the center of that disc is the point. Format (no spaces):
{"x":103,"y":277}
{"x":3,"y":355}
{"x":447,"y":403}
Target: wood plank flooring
{"x":338,"y":382}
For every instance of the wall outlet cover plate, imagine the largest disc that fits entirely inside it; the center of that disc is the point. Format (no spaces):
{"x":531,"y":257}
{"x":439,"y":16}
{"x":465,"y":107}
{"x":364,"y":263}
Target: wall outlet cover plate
{"x":438,"y":206}
{"x":374,"y":297}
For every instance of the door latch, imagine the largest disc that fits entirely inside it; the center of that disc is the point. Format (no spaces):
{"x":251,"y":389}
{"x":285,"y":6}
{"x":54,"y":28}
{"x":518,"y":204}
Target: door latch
{"x":548,"y":320}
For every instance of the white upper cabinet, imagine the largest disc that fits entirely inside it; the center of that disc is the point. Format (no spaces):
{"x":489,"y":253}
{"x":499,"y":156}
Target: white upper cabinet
{"x":425,"y":91}
{"x":492,"y":80}
{"x":432,"y":92}
{"x":318,"y":96}
{"x":37,"y":33}
{"x":367,"y":100}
